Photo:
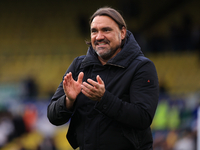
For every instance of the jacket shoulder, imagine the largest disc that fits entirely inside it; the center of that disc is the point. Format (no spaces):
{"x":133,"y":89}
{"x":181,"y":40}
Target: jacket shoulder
{"x":77,"y":63}
{"x":142,"y":58}
{"x":144,"y":62}
{"x":78,"y":60}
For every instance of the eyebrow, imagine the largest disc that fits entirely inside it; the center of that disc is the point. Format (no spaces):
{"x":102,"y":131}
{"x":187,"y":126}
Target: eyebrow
{"x":104,"y":28}
{"x":107,"y":28}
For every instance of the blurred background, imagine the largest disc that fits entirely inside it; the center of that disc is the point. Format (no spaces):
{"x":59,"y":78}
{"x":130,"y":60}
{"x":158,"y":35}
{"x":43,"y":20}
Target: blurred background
{"x":39,"y":40}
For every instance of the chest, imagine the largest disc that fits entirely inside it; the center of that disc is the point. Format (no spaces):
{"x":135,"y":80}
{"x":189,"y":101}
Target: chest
{"x":116,"y":79}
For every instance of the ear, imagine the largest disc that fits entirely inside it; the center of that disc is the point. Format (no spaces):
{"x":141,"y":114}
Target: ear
{"x":123,"y":33}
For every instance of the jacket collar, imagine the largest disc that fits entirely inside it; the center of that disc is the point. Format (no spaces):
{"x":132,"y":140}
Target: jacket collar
{"x":130,"y":51}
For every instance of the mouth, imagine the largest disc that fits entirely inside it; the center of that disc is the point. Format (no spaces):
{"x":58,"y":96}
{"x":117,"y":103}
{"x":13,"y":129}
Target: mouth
{"x":101,"y":43}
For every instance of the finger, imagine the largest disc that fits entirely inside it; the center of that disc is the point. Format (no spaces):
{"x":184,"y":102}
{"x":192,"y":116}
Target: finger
{"x":64,"y":83}
{"x":87,"y":87}
{"x":65,"y":80}
{"x":91,"y":96}
{"x":69,"y":75}
{"x":66,"y":76}
{"x":80,"y":77}
{"x":94,"y":83}
{"x":99,"y":80}
{"x":86,"y":93}
{"x":64,"y":86}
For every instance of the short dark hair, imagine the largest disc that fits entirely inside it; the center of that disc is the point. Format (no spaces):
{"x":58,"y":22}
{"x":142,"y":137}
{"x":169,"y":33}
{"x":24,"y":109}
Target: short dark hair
{"x":113,"y":14}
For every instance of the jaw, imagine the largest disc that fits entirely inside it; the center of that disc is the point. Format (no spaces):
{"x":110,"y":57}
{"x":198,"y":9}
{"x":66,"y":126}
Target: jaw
{"x":101,"y":51}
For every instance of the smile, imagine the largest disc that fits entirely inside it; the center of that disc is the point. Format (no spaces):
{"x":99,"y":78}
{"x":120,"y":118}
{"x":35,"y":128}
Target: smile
{"x":101,"y":44}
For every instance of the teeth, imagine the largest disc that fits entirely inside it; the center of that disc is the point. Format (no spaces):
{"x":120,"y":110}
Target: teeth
{"x":102,"y":44}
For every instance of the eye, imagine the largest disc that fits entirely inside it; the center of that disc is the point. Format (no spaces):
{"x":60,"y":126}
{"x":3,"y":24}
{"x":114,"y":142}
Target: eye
{"x":93,"y":30}
{"x":106,"y":29}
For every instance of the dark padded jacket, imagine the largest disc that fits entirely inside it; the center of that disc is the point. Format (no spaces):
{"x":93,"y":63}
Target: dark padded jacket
{"x":122,"y":119}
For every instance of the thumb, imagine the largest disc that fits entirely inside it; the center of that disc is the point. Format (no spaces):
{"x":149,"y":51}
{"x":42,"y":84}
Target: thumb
{"x":100,"y":81}
{"x":80,"y":77}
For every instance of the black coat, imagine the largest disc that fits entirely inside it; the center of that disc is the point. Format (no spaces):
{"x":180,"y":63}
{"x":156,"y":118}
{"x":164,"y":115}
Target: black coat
{"x":122,"y":119}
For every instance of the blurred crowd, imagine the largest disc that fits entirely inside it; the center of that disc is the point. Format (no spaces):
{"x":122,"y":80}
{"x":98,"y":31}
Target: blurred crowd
{"x":181,"y":37}
{"x":27,"y":118}
{"x":175,"y":123}
{"x":22,"y":114}
{"x":174,"y":126}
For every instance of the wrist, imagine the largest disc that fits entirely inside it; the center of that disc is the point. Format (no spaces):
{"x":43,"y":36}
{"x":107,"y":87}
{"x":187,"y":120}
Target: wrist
{"x":69,"y":103}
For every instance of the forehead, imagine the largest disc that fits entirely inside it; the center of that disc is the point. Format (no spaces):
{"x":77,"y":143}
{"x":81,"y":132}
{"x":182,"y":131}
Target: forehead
{"x":102,"y":21}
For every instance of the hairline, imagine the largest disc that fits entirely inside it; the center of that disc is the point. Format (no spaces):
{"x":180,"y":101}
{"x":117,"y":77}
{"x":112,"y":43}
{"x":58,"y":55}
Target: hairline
{"x":119,"y":25}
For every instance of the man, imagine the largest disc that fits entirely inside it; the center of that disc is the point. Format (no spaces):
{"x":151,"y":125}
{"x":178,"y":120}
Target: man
{"x":110,"y":94}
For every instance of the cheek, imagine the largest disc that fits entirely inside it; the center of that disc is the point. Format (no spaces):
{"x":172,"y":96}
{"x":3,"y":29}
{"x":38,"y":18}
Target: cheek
{"x":92,"y":40}
{"x":116,"y":39}
{"x":119,"y":37}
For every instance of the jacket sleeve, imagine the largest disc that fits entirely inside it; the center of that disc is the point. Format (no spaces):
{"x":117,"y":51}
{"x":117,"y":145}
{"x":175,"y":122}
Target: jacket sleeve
{"x":57,"y":112}
{"x":137,"y":109}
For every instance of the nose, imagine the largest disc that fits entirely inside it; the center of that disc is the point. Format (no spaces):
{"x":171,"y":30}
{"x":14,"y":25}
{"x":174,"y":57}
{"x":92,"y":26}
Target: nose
{"x":99,"y":36}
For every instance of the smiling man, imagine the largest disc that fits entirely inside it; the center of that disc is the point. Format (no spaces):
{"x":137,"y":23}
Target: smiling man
{"x":106,"y":37}
{"x":111,"y":93}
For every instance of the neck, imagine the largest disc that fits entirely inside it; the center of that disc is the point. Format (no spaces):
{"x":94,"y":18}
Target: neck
{"x":103,"y":61}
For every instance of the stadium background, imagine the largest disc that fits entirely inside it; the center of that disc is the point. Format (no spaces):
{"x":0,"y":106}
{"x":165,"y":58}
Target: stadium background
{"x":39,"y":40}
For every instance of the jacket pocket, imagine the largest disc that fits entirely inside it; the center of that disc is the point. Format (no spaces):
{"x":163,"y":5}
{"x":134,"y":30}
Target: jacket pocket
{"x":132,"y":137}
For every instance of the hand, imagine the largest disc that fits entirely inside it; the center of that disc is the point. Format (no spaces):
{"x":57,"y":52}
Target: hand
{"x":71,"y":87}
{"x":95,"y":91}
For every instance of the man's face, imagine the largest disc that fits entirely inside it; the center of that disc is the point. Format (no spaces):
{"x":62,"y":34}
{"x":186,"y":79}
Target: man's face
{"x":106,"y":37}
